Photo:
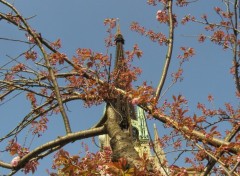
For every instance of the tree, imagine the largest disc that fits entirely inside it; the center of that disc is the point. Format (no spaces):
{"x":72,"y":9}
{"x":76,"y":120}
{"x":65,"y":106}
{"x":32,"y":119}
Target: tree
{"x":49,"y":80}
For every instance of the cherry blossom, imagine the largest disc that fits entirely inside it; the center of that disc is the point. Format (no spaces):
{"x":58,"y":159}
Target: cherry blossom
{"x":15,"y":161}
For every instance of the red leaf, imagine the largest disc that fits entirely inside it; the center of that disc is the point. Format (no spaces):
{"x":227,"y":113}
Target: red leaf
{"x":213,"y":128}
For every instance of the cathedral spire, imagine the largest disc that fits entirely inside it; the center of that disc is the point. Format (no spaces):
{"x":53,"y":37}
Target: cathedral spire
{"x":119,"y":41}
{"x":159,"y":151}
{"x":118,"y":37}
{"x":121,"y":104}
{"x":118,"y":27}
{"x":156,"y":137}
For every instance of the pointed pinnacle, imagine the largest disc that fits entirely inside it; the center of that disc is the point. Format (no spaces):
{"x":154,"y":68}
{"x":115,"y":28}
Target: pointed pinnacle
{"x":118,"y":27}
{"x":155,"y":132}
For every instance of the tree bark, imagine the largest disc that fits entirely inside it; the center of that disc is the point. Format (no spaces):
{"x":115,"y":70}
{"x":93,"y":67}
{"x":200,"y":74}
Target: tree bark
{"x":121,"y":142}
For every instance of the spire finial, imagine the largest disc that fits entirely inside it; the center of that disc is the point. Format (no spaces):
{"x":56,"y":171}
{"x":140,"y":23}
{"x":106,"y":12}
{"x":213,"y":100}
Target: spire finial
{"x":155,"y":132}
{"x":118,"y":27}
{"x":118,"y":36}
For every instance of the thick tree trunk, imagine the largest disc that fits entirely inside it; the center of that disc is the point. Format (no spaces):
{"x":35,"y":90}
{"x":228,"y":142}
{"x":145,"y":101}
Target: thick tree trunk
{"x":121,"y":142}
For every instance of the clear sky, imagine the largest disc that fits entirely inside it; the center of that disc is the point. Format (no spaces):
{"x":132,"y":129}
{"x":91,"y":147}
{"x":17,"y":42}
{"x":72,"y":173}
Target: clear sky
{"x":79,"y":24}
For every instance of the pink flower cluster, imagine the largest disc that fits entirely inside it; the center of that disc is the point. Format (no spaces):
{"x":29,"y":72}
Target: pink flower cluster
{"x":162,"y":16}
{"x":15,"y":161}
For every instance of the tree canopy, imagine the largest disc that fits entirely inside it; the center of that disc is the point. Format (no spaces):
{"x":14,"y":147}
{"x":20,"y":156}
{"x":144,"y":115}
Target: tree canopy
{"x":180,"y":65}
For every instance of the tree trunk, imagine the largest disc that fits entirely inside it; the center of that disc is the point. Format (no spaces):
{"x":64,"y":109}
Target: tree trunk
{"x":121,"y":142}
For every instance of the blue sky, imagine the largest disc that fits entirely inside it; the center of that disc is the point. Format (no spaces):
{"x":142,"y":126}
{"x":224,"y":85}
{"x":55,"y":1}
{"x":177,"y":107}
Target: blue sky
{"x":79,"y":24}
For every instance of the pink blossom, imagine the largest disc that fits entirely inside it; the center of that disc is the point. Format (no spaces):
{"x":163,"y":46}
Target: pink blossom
{"x":159,"y":12}
{"x":100,"y":167}
{"x":135,"y":101}
{"x":15,"y":161}
{"x":162,"y":16}
{"x":238,"y":158}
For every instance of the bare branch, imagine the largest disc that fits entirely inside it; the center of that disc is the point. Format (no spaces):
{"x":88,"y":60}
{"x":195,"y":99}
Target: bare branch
{"x":169,"y":51}
{"x":14,"y":40}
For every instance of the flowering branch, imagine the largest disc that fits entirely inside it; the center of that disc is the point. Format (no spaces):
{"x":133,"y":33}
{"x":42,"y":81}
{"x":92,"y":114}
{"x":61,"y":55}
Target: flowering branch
{"x":217,"y":160}
{"x":61,"y":141}
{"x":37,"y":39}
